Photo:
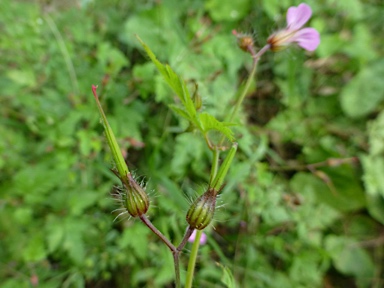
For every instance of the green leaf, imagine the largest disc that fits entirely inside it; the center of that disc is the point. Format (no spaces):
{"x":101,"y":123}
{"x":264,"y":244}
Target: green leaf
{"x":73,"y":240}
{"x":188,"y":150}
{"x":112,"y":59}
{"x":180,"y":111}
{"x":136,"y":240}
{"x":225,"y":10}
{"x":373,"y":176}
{"x":365,"y":91}
{"x":343,"y":192}
{"x":373,"y":165}
{"x":330,"y":44}
{"x":144,"y":74}
{"x":272,"y":7}
{"x":35,"y":250}
{"x":164,"y":274}
{"x":376,"y":135}
{"x":349,"y":258}
{"x":227,"y":277}
{"x":374,"y":185}
{"x":174,"y":81}
{"x":375,"y":205}
{"x":54,"y":234}
{"x":81,"y":200}
{"x":25,"y":78}
{"x":208,"y":122}
{"x":35,"y":182}
{"x":352,"y":8}
{"x":308,"y":266}
{"x":75,"y":280}
{"x":362,"y":45}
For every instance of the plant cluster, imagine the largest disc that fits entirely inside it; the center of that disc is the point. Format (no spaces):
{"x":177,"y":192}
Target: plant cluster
{"x":277,"y":182}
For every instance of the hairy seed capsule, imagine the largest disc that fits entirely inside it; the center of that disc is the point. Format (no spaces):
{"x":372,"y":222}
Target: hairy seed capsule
{"x":244,"y":41}
{"x":135,"y":200}
{"x":201,"y":212}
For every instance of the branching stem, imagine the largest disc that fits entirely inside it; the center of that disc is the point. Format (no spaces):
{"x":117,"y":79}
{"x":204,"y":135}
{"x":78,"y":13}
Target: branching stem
{"x":149,"y":224}
{"x":216,"y":156}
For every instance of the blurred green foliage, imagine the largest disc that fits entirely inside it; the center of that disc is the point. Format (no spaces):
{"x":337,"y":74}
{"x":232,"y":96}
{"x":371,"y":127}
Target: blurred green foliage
{"x":304,"y":201}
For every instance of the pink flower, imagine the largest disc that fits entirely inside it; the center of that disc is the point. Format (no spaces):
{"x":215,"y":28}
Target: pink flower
{"x":307,"y":38}
{"x":203,"y":238}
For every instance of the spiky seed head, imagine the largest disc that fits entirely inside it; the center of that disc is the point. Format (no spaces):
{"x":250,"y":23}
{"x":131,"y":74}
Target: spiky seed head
{"x":136,"y":200}
{"x":201,"y":212}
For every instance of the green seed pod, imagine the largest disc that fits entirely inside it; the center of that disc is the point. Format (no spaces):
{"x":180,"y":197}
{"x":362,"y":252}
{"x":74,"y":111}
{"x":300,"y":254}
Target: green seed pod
{"x":201,"y":212}
{"x":136,"y":201}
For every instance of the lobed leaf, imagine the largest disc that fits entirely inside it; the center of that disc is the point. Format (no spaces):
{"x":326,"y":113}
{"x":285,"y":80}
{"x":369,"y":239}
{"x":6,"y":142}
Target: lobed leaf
{"x":173,"y":80}
{"x":209,"y":122}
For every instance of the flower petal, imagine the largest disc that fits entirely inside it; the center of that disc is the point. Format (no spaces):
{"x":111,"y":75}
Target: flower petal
{"x":307,"y":38}
{"x":298,"y":16}
{"x":203,"y":238}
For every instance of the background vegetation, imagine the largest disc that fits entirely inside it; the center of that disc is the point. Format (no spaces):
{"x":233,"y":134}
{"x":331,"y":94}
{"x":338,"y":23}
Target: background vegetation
{"x":304,"y":201}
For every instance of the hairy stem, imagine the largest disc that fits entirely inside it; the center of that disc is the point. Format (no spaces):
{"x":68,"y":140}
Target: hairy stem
{"x":196,"y":243}
{"x":176,"y":255}
{"x":176,"y":263}
{"x":152,"y":227}
{"x":187,"y":234}
{"x":174,"y":250}
{"x":216,"y":155}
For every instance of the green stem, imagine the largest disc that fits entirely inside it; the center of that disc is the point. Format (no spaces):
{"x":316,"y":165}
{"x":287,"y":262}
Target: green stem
{"x":218,"y":181}
{"x":215,"y":181}
{"x":243,"y":93}
{"x":215,"y":164}
{"x":256,"y":57}
{"x":192,"y":259}
{"x":196,"y":243}
{"x":176,"y":255}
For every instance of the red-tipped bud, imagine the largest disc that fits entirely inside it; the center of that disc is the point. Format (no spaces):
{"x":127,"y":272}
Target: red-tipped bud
{"x":244,"y":41}
{"x":201,"y":212}
{"x":135,"y":200}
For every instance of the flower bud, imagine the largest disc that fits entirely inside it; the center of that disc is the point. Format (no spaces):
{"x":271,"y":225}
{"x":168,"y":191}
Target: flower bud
{"x":244,"y":41}
{"x":135,"y":200}
{"x":196,"y":97}
{"x":201,"y":212}
{"x":197,"y":101}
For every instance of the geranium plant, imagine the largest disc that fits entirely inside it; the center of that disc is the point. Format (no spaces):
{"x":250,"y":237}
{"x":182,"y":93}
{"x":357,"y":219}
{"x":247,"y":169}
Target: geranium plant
{"x":201,"y":212}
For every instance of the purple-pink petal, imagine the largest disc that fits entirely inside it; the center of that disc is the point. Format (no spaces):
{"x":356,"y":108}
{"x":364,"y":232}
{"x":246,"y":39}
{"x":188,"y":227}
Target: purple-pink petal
{"x":307,"y":38}
{"x":203,"y":238}
{"x":298,"y":16}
